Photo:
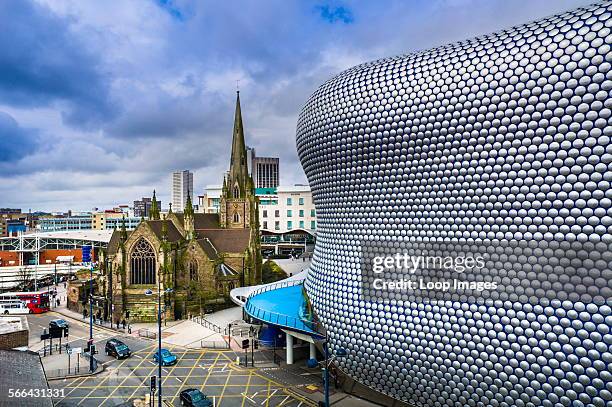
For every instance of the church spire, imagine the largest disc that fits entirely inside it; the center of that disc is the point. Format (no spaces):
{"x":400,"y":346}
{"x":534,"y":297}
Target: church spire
{"x":189,"y":218}
{"x":238,"y":162}
{"x":154,"y":212}
{"x":188,"y":205}
{"x":238,"y":144}
{"x":123,"y":232}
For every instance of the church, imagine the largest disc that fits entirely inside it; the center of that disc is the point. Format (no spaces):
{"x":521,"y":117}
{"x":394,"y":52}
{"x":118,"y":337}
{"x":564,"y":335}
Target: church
{"x":197,"y":257}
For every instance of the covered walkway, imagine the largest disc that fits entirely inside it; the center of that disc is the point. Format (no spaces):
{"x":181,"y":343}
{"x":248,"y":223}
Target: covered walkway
{"x":280,"y":307}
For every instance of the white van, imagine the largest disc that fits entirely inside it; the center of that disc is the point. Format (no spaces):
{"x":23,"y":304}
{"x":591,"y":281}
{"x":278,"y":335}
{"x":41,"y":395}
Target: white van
{"x":7,"y":308}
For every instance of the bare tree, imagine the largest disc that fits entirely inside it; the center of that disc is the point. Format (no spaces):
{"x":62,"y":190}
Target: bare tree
{"x":24,"y":276}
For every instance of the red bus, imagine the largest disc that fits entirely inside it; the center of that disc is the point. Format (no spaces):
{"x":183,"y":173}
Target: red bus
{"x":37,"y":302}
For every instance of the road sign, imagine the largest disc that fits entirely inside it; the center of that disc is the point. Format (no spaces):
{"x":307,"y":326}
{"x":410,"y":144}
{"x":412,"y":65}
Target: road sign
{"x":76,"y":351}
{"x":245,"y":344}
{"x":70,"y":351}
{"x":86,"y":252}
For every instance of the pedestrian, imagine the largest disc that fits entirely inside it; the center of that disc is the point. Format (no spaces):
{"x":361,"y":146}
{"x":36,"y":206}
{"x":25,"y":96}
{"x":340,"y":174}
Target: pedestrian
{"x":84,"y":313}
{"x":58,"y":302}
{"x":123,"y":323}
{"x":64,"y":284}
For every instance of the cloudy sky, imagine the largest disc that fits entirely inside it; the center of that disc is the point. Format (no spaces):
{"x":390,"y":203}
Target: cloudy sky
{"x":100,"y":101}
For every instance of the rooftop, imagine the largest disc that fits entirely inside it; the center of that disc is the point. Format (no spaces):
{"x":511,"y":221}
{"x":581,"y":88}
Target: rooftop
{"x":22,"y":370}
{"x":13,"y":324}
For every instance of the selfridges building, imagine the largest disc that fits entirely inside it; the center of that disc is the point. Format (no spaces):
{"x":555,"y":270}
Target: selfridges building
{"x":463,"y":255}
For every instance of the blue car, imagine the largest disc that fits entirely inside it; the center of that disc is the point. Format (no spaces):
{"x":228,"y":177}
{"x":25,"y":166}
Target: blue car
{"x":168,"y":359}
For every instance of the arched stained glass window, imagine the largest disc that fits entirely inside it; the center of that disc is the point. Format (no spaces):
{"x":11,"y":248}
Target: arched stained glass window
{"x":236,"y":217}
{"x":236,"y":192}
{"x":142,"y":263}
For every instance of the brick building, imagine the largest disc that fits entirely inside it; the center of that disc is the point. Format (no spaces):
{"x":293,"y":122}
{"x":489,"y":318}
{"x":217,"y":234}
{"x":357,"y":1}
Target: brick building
{"x":14,"y":332}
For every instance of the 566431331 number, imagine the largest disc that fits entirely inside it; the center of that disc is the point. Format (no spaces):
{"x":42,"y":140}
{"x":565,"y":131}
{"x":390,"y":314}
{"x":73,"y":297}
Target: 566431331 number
{"x":35,"y":393}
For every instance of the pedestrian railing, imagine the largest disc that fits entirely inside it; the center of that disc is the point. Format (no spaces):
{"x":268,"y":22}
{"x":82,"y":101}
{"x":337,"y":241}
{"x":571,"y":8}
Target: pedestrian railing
{"x":274,"y":286}
{"x":276,"y":318}
{"x":214,"y":344}
{"x":200,"y":319}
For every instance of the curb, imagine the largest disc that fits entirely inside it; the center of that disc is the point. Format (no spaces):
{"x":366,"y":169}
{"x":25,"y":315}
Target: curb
{"x":95,"y":325}
{"x":78,"y":375}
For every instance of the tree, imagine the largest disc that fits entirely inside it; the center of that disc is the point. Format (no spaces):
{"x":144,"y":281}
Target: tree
{"x":24,"y":276}
{"x":272,"y":272}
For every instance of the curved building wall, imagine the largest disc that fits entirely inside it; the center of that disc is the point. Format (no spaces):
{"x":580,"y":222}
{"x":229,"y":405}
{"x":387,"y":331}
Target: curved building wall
{"x":498,"y":146}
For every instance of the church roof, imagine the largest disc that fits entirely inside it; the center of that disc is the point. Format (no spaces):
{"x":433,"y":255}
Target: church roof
{"x":113,"y":244}
{"x":226,"y":240}
{"x":208,"y":248}
{"x":223,"y":270}
{"x":201,"y":220}
{"x":173,"y":234}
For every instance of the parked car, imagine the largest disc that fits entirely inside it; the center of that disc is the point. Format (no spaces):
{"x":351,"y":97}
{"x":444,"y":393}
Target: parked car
{"x":114,"y":347}
{"x":58,"y":323}
{"x":167,"y":358}
{"x":195,"y":398}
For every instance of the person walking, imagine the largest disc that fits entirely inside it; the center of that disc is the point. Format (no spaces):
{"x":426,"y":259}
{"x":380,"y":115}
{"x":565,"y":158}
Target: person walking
{"x":123,"y":323}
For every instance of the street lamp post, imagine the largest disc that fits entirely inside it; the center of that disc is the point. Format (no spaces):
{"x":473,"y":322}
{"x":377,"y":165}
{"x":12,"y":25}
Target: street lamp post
{"x":340,"y":353}
{"x":159,"y":336}
{"x":91,"y":356}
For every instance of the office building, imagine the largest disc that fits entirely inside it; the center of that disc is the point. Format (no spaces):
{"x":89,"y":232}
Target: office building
{"x":142,"y":207}
{"x":211,"y":200}
{"x":182,"y":185}
{"x":112,"y":219}
{"x":265,"y":172}
{"x":69,"y":222}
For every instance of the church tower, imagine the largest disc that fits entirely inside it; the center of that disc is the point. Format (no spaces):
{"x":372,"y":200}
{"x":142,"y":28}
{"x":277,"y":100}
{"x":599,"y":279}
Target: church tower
{"x":238,"y":205}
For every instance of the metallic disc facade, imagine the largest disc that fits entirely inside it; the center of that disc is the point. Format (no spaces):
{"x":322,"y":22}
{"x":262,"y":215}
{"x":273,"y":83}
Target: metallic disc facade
{"x":502,"y":138}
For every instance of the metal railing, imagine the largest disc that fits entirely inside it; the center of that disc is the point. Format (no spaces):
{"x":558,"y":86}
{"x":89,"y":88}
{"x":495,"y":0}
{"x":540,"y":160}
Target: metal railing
{"x":274,"y":286}
{"x":275,"y":317}
{"x":214,"y":344}
{"x":200,"y":319}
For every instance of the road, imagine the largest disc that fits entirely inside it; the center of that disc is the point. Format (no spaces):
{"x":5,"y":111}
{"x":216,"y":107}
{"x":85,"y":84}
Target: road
{"x":123,"y":381}
{"x":213,"y":372}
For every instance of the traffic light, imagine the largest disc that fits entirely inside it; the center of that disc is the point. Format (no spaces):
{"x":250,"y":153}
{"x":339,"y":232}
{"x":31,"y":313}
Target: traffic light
{"x":245,"y":344}
{"x":153,"y":383}
{"x":93,"y":350}
{"x":256,"y":344}
{"x":65,"y":332}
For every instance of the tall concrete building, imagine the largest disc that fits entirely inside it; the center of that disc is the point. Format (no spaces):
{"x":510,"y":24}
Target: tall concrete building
{"x":263,"y":170}
{"x":182,"y":185}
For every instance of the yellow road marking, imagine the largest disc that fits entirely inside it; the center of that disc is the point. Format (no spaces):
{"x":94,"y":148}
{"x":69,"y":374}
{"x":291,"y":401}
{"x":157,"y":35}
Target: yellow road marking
{"x":196,"y":363}
{"x":225,"y":385}
{"x":80,"y":382}
{"x":144,"y":359}
{"x":246,"y":390}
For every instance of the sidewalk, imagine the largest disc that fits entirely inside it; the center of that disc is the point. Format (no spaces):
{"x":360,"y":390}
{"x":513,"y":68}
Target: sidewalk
{"x":185,"y":333}
{"x":62,"y":365}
